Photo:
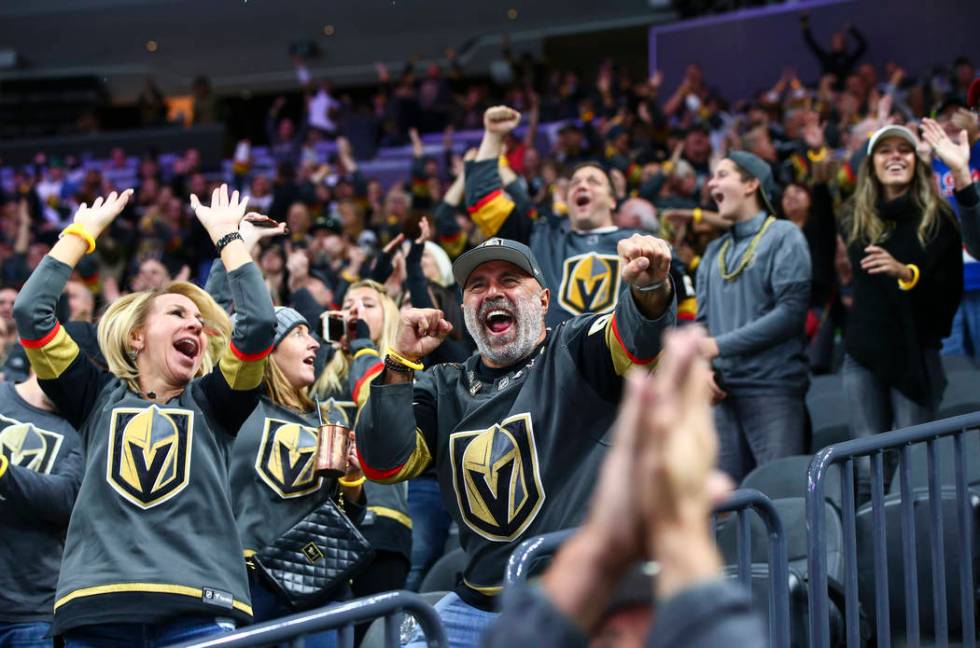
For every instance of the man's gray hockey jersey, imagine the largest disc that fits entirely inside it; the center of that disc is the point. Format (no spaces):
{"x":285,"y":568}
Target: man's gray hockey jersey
{"x":580,"y":268}
{"x":516,"y":450}
{"x":40,"y":470}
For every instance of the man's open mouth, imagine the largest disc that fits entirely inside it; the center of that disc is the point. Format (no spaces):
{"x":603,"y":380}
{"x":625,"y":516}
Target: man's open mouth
{"x":498,"y":321}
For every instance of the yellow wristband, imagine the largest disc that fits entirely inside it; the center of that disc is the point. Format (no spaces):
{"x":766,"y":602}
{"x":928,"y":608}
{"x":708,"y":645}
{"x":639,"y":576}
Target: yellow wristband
{"x":910,"y":284}
{"x":352,"y":484}
{"x":667,"y":166}
{"x":417,"y":366}
{"x":3,"y":464}
{"x":696,"y":215}
{"x":80,"y":232}
{"x":349,"y":277}
{"x":817,"y":156}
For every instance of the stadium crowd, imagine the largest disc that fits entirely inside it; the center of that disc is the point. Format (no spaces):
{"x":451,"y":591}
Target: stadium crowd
{"x":490,"y":310}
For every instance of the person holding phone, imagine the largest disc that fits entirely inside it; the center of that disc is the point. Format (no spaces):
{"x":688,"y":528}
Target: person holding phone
{"x":367,"y":322}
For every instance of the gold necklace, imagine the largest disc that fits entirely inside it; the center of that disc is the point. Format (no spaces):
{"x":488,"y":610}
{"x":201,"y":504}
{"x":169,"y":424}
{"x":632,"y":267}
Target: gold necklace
{"x":746,"y":256}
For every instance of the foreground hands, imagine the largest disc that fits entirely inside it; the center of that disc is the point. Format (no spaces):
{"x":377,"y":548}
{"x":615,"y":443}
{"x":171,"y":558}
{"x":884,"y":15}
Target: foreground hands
{"x":655,"y":491}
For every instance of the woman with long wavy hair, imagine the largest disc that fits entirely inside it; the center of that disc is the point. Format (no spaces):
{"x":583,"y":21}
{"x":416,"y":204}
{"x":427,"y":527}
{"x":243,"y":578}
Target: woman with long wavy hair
{"x":905,"y":247}
{"x":152,"y":554}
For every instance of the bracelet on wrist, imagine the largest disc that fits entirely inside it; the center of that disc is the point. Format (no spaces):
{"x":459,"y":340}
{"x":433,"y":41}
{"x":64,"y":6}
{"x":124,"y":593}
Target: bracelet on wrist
{"x":223,"y":242}
{"x":910,"y":284}
{"x":652,"y":287}
{"x":78,"y":230}
{"x":343,"y":481}
{"x":400,"y":359}
{"x":697,"y":215}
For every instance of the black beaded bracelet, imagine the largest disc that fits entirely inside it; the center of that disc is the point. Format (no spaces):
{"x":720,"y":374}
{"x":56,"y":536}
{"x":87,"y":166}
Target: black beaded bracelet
{"x":225,"y":240}
{"x":397,"y":367}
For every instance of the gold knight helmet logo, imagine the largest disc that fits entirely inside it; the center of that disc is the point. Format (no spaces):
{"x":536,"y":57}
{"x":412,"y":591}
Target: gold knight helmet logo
{"x":497,"y":479}
{"x":149,"y":453}
{"x":27,"y":446}
{"x":589,"y":283}
{"x":286,"y":461}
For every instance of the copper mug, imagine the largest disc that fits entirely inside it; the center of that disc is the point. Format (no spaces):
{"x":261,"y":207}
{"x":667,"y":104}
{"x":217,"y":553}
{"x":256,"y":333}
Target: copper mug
{"x":334,"y":443}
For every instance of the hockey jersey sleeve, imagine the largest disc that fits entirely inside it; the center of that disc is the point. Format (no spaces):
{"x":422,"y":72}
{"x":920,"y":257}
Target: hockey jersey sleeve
{"x":397,"y":428}
{"x":65,"y":374}
{"x":217,"y":286}
{"x":491,"y":208}
{"x":232,"y":389}
{"x":366,"y":365}
{"x":604,"y":347}
{"x":451,"y":236}
{"x":50,"y":497}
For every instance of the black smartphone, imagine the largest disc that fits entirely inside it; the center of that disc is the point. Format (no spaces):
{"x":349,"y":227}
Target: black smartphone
{"x":335,"y":328}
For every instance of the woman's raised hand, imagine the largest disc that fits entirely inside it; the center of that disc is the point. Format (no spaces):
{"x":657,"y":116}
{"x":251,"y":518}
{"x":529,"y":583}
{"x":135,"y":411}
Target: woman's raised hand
{"x":102,"y":212}
{"x":224,"y":214}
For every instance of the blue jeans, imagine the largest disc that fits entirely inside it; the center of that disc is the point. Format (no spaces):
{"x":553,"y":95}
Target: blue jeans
{"x":464,"y":624}
{"x":964,"y":339}
{"x":753,"y":430}
{"x":267,"y":605}
{"x":430,"y":528}
{"x":146,"y":635}
{"x":25,"y":635}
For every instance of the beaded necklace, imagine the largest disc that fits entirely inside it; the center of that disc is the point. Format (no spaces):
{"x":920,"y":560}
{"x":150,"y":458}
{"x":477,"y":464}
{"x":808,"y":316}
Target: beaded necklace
{"x":746,"y":256}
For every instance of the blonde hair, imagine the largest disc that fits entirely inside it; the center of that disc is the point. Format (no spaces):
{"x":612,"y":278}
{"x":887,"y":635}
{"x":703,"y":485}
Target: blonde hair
{"x":865,"y":226}
{"x":331,"y":381}
{"x":128,"y":314}
{"x":283,"y":393}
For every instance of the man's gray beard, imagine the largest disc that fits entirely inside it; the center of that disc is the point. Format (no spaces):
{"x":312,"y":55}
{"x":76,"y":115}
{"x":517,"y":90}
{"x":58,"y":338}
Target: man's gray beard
{"x":528,"y":323}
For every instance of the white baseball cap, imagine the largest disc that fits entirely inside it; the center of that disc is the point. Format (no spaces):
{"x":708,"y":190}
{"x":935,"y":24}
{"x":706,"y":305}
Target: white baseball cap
{"x":891,"y":131}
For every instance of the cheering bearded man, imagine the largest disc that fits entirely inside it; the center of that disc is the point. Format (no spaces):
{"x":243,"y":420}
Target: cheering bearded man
{"x":577,"y":253}
{"x":518,"y":431}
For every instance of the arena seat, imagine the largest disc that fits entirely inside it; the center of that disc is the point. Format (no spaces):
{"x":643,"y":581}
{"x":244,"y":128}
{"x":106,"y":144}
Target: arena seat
{"x":792,"y":513}
{"x":786,"y":477}
{"x":445,"y":573}
{"x":923,"y":568}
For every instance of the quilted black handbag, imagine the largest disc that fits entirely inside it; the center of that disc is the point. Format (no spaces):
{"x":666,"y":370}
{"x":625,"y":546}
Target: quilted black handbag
{"x":310,"y":560}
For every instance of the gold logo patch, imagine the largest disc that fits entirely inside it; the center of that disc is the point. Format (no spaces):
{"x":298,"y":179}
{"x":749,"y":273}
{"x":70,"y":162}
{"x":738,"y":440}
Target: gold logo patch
{"x":287,"y":458}
{"x":27,"y":446}
{"x":149,"y":453}
{"x":496,"y":478}
{"x":312,"y":552}
{"x":589,"y":283}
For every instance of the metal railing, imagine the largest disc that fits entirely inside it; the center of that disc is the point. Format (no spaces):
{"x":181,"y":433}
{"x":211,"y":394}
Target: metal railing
{"x":340,"y":616}
{"x":740,"y":502}
{"x":847,"y":454}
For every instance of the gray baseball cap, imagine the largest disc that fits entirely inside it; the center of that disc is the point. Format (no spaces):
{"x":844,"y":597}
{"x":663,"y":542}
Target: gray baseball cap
{"x":497,"y":249}
{"x":758,"y":169}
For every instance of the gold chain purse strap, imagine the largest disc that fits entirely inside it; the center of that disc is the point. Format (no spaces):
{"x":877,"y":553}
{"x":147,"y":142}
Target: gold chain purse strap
{"x":746,"y":256}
